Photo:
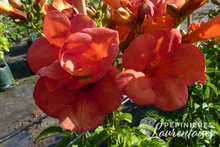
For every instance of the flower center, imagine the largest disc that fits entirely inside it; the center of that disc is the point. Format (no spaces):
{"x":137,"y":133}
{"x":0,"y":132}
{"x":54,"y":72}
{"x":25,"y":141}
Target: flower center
{"x":147,"y":70}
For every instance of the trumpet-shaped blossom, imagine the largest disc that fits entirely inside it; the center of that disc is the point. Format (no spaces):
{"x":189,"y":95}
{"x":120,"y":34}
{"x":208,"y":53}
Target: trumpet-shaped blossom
{"x":77,"y":83}
{"x":73,"y":50}
{"x":205,"y":31}
{"x":82,"y":109}
{"x":159,"y":68}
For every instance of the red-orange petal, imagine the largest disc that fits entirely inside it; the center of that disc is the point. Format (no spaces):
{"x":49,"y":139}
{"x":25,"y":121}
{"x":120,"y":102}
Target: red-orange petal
{"x":139,"y":53}
{"x":55,"y":77}
{"x":137,"y":87}
{"x":41,"y":54}
{"x":90,"y":103}
{"x":80,"y":22}
{"x":167,"y":41}
{"x":60,"y":4}
{"x":171,"y":94}
{"x":82,"y":54}
{"x":108,"y":91}
{"x":51,"y":102}
{"x":56,"y":27}
{"x":186,"y":63}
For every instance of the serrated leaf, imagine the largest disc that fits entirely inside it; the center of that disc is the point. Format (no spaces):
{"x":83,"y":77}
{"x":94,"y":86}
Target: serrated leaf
{"x":151,"y":113}
{"x":123,"y":134}
{"x":52,"y":129}
{"x":98,"y":129}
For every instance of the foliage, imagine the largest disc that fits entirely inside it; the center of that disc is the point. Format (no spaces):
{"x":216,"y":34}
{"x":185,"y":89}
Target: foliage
{"x":11,"y":30}
{"x":3,"y":42}
{"x":114,"y":134}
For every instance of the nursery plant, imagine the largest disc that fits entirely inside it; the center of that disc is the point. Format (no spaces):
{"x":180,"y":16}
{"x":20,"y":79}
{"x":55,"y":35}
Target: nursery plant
{"x":94,"y":55}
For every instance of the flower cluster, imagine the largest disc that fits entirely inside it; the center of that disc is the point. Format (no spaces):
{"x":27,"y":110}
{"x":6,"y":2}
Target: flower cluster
{"x":139,"y":51}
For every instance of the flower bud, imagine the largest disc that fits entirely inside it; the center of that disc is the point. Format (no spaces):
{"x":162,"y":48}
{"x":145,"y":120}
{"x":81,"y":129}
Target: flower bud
{"x":142,"y":11}
{"x":23,"y":1}
{"x":108,"y":14}
{"x":172,"y":10}
{"x":37,"y":6}
{"x":90,"y":12}
{"x":41,"y":2}
{"x":12,"y":12}
{"x":30,"y":1}
{"x":30,"y":16}
{"x":33,"y":10}
{"x":15,"y":3}
{"x":190,"y":6}
{"x":215,"y":2}
{"x":126,"y":18}
{"x":104,"y":7}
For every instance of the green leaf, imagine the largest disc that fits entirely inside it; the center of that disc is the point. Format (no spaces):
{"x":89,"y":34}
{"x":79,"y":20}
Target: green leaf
{"x":151,"y":113}
{"x":123,"y":135}
{"x":125,"y":116}
{"x":211,"y":70}
{"x":146,"y":126}
{"x":207,"y":93}
{"x":156,"y":142}
{"x":102,"y":136}
{"x":212,"y":86}
{"x":53,"y":129}
{"x":134,"y":140}
{"x":65,"y":141}
{"x":217,"y":126}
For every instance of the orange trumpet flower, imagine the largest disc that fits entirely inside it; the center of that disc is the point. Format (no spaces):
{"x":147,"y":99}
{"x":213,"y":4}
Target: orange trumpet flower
{"x":205,"y":31}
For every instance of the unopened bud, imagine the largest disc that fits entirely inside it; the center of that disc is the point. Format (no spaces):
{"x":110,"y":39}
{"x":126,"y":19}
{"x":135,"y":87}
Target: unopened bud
{"x":41,"y":2}
{"x":172,"y":10}
{"x":22,"y":8}
{"x":37,"y":7}
{"x":17,"y":21}
{"x":126,"y":18}
{"x":90,"y":12}
{"x":215,"y":2}
{"x":30,"y":1}
{"x":30,"y":16}
{"x":190,"y":6}
{"x":33,"y":10}
{"x":123,"y":16}
{"x":108,"y":15}
{"x":23,"y":1}
{"x":104,"y":7}
{"x":15,"y":3}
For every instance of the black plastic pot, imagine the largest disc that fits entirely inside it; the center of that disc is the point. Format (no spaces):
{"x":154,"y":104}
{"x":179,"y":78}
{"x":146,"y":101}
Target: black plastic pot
{"x":6,"y":77}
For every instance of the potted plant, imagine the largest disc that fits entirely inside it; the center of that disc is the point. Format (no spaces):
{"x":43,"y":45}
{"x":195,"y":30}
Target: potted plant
{"x":6,"y":77}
